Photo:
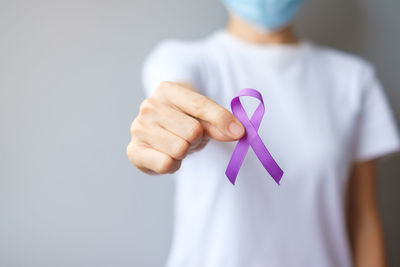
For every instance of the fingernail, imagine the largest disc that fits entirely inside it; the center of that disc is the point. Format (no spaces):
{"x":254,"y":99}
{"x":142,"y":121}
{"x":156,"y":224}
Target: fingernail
{"x":236,"y":130}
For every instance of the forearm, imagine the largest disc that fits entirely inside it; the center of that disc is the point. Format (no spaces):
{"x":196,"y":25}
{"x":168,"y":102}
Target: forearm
{"x":367,"y":243}
{"x":365,"y":230}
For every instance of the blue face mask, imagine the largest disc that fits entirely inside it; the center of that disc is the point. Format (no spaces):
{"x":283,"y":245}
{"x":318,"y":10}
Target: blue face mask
{"x":266,"y":14}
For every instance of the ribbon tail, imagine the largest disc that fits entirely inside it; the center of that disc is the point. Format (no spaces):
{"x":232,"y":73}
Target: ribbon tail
{"x":236,"y":160}
{"x":266,"y":159}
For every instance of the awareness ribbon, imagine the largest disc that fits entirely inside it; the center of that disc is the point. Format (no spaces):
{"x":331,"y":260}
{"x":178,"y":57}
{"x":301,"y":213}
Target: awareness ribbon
{"x":250,"y":138}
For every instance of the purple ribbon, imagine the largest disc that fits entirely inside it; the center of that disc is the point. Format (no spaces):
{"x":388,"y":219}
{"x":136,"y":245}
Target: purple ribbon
{"x":251,"y":138}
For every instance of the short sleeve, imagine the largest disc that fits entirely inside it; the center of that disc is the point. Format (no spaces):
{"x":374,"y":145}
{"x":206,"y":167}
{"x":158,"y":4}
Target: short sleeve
{"x":170,"y":60}
{"x":377,"y":133}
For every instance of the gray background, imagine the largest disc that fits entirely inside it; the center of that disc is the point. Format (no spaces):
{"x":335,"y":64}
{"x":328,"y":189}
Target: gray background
{"x":69,"y":88}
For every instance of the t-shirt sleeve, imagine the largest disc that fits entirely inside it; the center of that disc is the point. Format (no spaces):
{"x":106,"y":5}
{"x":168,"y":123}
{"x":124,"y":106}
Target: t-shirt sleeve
{"x":376,"y":133}
{"x":173,"y":61}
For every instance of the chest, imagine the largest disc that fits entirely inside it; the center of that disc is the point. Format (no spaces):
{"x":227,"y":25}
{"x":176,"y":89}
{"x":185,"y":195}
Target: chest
{"x":308,"y":116}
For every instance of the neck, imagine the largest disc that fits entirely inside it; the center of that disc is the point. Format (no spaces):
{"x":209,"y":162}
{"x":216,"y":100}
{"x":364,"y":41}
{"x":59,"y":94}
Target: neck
{"x":249,"y":33}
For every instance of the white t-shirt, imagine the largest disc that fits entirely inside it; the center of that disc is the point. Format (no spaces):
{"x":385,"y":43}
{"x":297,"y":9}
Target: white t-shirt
{"x":325,"y":109}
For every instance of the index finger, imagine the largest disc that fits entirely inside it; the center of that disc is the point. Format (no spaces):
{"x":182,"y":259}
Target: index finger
{"x":203,"y":108}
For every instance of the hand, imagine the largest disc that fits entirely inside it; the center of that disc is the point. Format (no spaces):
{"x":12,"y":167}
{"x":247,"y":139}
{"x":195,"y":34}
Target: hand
{"x":176,"y":121}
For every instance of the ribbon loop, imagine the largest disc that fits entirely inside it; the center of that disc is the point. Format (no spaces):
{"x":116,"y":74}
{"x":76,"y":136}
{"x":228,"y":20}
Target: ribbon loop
{"x":251,"y":138}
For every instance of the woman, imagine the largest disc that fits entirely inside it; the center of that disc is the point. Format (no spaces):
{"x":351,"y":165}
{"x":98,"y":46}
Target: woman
{"x":327,"y":121}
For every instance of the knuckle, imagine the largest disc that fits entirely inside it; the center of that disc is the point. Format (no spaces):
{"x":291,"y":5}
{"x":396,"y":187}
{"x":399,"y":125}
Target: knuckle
{"x":136,"y":128}
{"x":194,"y":132}
{"x":147,"y":107}
{"x":179,"y":148}
{"x":130,"y":149}
{"x":163,"y":86}
{"x":133,"y":126}
{"x":165,"y":165}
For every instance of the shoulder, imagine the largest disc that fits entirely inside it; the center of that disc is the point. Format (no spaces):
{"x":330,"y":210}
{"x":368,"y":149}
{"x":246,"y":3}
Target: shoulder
{"x":351,"y":76}
{"x":176,"y":54}
{"x":174,"y":60}
{"x":177,"y":46}
{"x":178,"y":49}
{"x":341,"y":62}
